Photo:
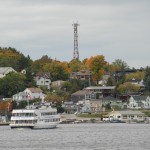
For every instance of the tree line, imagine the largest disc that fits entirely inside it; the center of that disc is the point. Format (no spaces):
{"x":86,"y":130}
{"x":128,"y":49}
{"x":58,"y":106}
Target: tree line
{"x":16,"y":82}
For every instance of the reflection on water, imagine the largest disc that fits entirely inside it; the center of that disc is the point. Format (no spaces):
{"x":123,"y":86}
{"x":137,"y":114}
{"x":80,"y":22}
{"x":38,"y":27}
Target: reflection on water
{"x":78,"y":137}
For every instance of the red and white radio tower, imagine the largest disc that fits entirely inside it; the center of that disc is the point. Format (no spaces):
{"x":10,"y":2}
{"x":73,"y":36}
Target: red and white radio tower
{"x":76,"y":52}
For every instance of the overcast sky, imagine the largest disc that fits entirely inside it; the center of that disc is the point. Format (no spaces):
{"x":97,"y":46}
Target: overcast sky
{"x":117,"y":29}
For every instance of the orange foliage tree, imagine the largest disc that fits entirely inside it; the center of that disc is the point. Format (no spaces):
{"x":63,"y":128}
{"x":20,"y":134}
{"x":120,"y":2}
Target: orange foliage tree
{"x":6,"y":106}
{"x":97,"y":65}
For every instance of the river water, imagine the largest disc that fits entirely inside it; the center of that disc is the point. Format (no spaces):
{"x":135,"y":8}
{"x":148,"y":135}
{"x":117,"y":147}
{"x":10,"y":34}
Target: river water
{"x":110,"y":136}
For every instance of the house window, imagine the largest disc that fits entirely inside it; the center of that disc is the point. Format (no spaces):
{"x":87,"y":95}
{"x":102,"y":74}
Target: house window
{"x":82,"y":77}
{"x":93,"y":96}
{"x":132,"y":116}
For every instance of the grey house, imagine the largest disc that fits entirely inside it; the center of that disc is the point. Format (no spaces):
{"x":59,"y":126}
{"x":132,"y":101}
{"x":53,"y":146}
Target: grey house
{"x":89,"y":106}
{"x":101,"y":91}
{"x":82,"y":95}
{"x":81,"y":75}
{"x":114,"y":102}
{"x":69,"y":107}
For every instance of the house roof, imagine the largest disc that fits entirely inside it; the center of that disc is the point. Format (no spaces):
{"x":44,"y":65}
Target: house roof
{"x":129,"y":112}
{"x":82,"y":72}
{"x":5,"y":69}
{"x":139,"y":98}
{"x":111,"y":99}
{"x":43,"y":74}
{"x":134,"y":80}
{"x":81,"y":92}
{"x":100,"y":87}
{"x":35,"y":90}
{"x":21,"y":94}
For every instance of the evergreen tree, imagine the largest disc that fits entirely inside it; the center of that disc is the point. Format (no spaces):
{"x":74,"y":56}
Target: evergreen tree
{"x":11,"y":84}
{"x":147,"y":78}
{"x":147,"y":84}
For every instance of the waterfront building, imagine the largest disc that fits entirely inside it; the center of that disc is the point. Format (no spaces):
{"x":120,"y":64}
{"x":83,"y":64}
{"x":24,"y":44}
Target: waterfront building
{"x":128,"y":115}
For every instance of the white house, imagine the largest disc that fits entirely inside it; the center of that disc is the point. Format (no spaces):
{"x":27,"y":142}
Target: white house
{"x":132,"y":103}
{"x":138,"y":102}
{"x":43,"y":79}
{"x":34,"y":93}
{"x":147,"y":103}
{"x":20,"y":96}
{"x":5,"y":70}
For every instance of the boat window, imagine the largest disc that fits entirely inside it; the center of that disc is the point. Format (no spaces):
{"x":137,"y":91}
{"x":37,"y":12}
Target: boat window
{"x":48,"y":113}
{"x":24,"y":114}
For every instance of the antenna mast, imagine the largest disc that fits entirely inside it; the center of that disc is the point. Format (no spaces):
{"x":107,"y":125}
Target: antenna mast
{"x":75,"y":52}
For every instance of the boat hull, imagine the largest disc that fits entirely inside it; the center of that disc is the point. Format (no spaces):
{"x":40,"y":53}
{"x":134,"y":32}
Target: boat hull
{"x":36,"y":126}
{"x":46,"y":125}
{"x":20,"y":126}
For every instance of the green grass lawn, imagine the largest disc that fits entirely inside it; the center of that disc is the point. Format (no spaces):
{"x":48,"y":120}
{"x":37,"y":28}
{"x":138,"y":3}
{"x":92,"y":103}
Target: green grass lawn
{"x":96,"y":115}
{"x":146,"y":112}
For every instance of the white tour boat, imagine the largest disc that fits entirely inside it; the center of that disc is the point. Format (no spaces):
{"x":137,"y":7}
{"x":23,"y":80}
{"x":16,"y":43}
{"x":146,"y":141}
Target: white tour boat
{"x":36,"y":116}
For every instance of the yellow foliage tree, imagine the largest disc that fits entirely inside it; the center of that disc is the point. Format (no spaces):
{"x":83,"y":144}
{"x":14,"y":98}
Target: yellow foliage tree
{"x":127,"y":88}
{"x":137,"y":75}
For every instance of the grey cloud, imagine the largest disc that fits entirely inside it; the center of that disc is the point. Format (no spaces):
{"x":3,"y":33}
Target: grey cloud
{"x":116,"y":29}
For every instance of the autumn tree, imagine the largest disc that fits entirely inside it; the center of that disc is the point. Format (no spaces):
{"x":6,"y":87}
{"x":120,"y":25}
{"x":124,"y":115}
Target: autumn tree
{"x":6,"y":106}
{"x":10,"y":57}
{"x":58,"y":70}
{"x":118,"y":65}
{"x":57,"y":98}
{"x":127,"y":88}
{"x":96,"y":65}
{"x":39,"y":64}
{"x":74,"y":85}
{"x":75,"y":65}
{"x":67,"y":86}
{"x":139,"y":75}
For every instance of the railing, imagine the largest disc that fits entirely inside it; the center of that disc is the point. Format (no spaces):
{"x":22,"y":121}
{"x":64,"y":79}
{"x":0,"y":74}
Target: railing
{"x":23,"y":118}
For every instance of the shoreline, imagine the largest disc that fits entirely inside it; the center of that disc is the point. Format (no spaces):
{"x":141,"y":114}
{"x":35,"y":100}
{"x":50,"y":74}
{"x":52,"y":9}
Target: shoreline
{"x":4,"y":123}
{"x":73,"y":119}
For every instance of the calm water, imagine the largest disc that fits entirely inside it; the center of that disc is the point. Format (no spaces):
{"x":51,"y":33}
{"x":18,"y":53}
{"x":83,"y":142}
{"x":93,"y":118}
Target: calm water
{"x":78,"y":137}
